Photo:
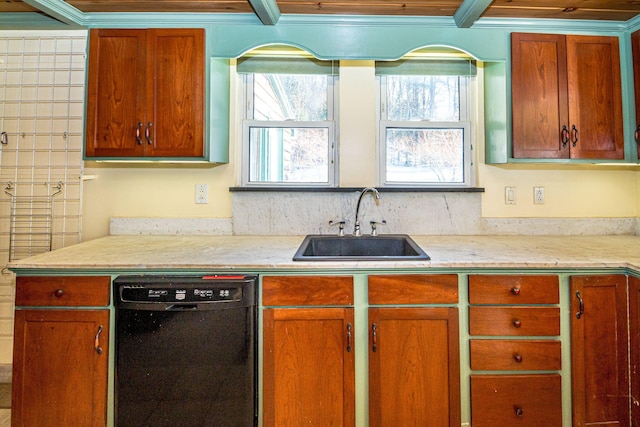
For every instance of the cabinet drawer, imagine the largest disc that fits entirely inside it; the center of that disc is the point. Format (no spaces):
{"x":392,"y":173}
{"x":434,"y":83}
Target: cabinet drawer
{"x":515,"y":355}
{"x":307,"y":290}
{"x":413,"y":289}
{"x":516,"y":401}
{"x":514,"y":321}
{"x":499,"y":289}
{"x":63,"y":291}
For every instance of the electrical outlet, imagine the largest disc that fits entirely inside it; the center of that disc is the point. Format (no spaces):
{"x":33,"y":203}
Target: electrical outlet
{"x":202,"y":194}
{"x":538,"y":195}
{"x":509,"y":195}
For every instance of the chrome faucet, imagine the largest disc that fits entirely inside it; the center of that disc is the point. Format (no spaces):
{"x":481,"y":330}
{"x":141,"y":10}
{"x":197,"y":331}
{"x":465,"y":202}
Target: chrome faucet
{"x":376,"y":197}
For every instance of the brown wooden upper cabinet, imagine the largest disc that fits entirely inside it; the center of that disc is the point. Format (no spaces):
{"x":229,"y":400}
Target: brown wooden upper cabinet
{"x":635,"y":49}
{"x":145,"y":95}
{"x":566,"y":97}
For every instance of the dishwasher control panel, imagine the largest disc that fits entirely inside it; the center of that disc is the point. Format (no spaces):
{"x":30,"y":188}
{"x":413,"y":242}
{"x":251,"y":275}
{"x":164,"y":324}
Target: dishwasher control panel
{"x":133,"y":293}
{"x":182,"y":289}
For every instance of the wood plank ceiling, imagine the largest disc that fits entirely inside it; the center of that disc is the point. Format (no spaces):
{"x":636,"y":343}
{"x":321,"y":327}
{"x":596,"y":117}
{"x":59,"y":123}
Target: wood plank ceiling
{"x":615,"y":10}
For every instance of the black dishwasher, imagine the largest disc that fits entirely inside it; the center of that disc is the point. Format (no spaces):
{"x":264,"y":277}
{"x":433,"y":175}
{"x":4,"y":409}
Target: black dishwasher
{"x":186,"y":351}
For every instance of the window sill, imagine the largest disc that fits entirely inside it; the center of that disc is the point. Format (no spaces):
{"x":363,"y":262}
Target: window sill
{"x":300,"y":189}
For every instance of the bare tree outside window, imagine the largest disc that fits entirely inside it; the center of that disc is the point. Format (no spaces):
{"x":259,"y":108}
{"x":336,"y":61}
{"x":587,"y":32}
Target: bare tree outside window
{"x":422,"y":131}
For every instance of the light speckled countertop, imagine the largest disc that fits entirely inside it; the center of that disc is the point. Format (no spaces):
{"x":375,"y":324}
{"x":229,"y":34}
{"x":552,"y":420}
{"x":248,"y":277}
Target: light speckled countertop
{"x":156,"y":253}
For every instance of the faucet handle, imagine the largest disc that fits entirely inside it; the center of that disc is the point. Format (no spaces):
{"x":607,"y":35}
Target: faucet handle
{"x":374,"y":230}
{"x":340,"y":225}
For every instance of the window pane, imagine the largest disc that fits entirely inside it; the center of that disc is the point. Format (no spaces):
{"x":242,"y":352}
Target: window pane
{"x":293,"y":155}
{"x":434,"y":98}
{"x":425,"y":155}
{"x":290,"y":97}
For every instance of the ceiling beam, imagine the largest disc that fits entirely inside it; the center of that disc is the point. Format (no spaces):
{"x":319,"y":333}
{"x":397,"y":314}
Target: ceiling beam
{"x":469,"y":12}
{"x":267,"y":10}
{"x":60,"y":10}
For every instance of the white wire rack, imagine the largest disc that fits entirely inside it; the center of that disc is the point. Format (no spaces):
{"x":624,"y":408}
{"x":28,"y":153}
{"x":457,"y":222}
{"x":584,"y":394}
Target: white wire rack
{"x":30,"y":224}
{"x":42,"y":77}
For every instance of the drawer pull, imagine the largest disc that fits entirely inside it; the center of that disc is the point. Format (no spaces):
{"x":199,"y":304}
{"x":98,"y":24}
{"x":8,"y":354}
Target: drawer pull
{"x":58,"y":293}
{"x":519,"y":412}
{"x":349,"y":337}
{"x":517,"y":358}
{"x":580,"y":305}
{"x":517,"y":324}
{"x":515,"y":291}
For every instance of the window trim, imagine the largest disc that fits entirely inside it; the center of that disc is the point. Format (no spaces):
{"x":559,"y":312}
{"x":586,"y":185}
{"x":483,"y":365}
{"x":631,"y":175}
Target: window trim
{"x":465,"y":122}
{"x":330,"y":123}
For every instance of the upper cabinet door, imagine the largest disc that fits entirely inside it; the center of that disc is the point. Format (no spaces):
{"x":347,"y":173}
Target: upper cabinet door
{"x":635,"y":49}
{"x":146,"y":93}
{"x":566,"y":97}
{"x":175,"y":93}
{"x":116,"y":93}
{"x":595,"y":97}
{"x":539,"y":93}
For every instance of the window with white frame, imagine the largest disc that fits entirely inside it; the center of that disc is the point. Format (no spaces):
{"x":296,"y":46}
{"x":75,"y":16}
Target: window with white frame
{"x":425,"y":121}
{"x":289,"y":124}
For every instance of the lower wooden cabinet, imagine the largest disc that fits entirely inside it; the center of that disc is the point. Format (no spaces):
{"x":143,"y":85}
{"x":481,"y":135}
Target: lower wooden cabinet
{"x":60,"y":354}
{"x":414,"y":351}
{"x":599,"y":350}
{"x":414,"y":367}
{"x":516,"y":400}
{"x":514,"y":321}
{"x":308,"y":352}
{"x":634,"y":334}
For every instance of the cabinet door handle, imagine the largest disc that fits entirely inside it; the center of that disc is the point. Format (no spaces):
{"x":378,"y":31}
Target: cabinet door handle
{"x":517,"y":324}
{"x":517,"y":358}
{"x":515,"y":291}
{"x":580,"y":305}
{"x":374,"y":337}
{"x":58,"y":293}
{"x":96,"y":341}
{"x":147,"y":133}
{"x":4,"y":138}
{"x":519,"y":412}
{"x":574,"y":133}
{"x":636,"y":135}
{"x":564,"y":135}
{"x":138,"y":133}
{"x":349,"y":337}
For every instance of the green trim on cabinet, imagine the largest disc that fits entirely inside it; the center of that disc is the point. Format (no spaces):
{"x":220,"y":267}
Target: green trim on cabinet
{"x":31,"y":21}
{"x":219,"y":111}
{"x":497,"y":117}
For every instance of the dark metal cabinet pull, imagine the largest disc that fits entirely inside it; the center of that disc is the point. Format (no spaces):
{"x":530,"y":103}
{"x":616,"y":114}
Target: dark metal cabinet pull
{"x":517,"y":324}
{"x":636,"y":135}
{"x":96,"y":342}
{"x":348,"y":337}
{"x":574,"y":132}
{"x":519,"y":412}
{"x":147,"y":133}
{"x":580,"y":305}
{"x":517,"y":358}
{"x":515,"y":291}
{"x":58,"y":293}
{"x":374,"y":336}
{"x":4,"y":138}
{"x":564,"y":135}
{"x":138,"y":133}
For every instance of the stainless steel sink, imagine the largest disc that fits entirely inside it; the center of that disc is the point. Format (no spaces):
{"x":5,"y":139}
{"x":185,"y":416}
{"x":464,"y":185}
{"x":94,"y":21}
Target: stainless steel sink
{"x":392,"y":247}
